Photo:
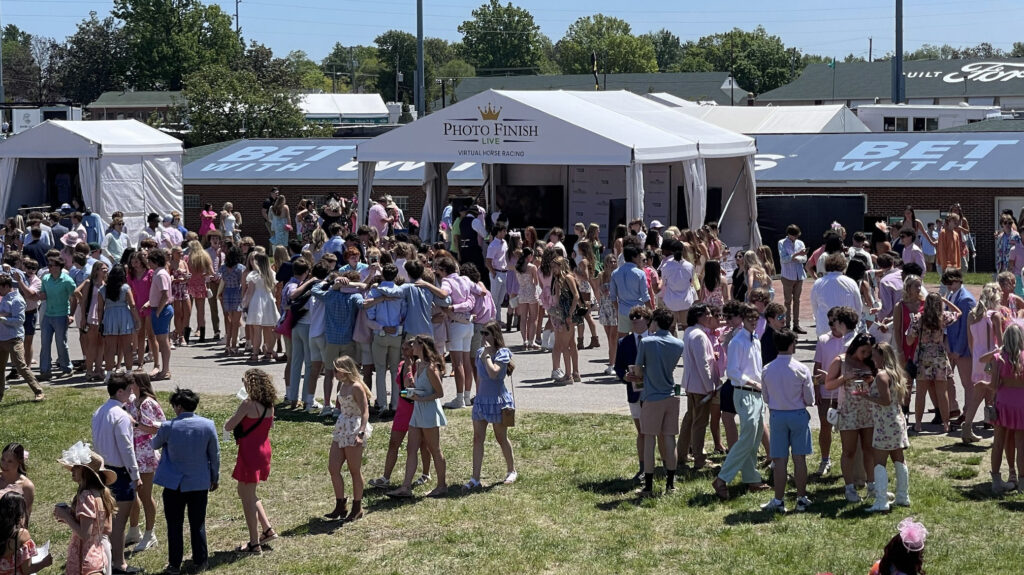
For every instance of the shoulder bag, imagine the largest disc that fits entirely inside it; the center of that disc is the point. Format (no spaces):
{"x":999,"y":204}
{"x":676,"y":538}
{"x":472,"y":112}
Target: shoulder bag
{"x":239,"y":433}
{"x":508,"y":414}
{"x":912,"y":364}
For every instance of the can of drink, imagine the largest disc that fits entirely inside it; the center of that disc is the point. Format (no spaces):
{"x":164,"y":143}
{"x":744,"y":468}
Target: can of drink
{"x":407,"y":393}
{"x":637,"y":371}
{"x":226,"y":436}
{"x":677,"y":390}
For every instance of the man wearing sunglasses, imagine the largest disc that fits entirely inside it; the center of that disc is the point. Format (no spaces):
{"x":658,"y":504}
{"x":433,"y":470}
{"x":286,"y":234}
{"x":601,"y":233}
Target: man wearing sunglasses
{"x":774,"y":321}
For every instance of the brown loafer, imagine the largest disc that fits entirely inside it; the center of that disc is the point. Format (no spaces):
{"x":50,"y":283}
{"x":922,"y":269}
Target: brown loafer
{"x":721,"y":488}
{"x":755,"y":487}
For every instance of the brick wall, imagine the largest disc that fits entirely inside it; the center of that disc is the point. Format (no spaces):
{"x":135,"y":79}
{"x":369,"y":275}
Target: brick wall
{"x":248,"y":200}
{"x":978,"y":205}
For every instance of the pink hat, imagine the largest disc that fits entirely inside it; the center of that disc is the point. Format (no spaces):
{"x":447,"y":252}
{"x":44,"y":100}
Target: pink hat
{"x":70,"y":239}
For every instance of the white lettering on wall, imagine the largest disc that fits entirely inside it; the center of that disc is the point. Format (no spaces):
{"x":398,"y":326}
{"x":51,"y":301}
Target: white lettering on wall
{"x":986,"y":72}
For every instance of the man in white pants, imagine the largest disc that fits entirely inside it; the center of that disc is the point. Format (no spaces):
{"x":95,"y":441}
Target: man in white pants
{"x":497,"y":265}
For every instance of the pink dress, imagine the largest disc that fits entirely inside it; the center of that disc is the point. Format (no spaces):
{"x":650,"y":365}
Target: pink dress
{"x":140,"y":288}
{"x":206,"y":222}
{"x":88,"y":556}
{"x":984,"y":342}
{"x":9,"y":565}
{"x":149,"y":413}
{"x":196,"y":285}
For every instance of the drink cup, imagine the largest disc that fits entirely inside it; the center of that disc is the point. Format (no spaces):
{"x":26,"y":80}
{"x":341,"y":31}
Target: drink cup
{"x":242,"y":394}
{"x":637,"y":371}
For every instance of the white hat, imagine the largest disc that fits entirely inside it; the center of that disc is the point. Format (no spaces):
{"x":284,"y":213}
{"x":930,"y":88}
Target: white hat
{"x":655,"y":225}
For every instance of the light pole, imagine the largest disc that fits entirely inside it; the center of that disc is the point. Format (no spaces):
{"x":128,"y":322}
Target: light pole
{"x":420,"y":78}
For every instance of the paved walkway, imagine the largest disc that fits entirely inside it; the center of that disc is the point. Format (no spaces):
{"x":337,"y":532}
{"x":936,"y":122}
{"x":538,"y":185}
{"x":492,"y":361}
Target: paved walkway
{"x":205,"y":369}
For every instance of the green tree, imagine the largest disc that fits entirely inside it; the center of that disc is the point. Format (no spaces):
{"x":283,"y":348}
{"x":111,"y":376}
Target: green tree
{"x":1017,"y":51}
{"x":667,"y":49}
{"x":168,"y":39}
{"x":617,"y":49}
{"x":223,"y":104}
{"x":502,"y":39}
{"x":91,"y":61}
{"x":452,"y":72}
{"x":21,"y":73}
{"x":338,"y":65}
{"x":759,"y":62}
{"x":397,"y":47}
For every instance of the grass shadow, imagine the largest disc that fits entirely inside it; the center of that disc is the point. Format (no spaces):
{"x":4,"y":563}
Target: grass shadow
{"x":298,"y":415}
{"x":218,"y":558}
{"x":458,"y":492}
{"x":758,"y":517}
{"x":977,"y":492}
{"x":961,"y":447}
{"x":615,"y":486}
{"x":1014,"y":506}
{"x":315,"y":526}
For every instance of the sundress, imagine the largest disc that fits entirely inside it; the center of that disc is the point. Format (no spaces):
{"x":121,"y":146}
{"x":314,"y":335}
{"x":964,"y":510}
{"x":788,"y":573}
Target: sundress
{"x":149,"y":413}
{"x":197,"y":285}
{"x":9,"y":565}
{"x":890,"y":424}
{"x":346,"y":429}
{"x":527,"y":287}
{"x":607,"y":311}
{"x":492,"y":396}
{"x":932,"y":362}
{"x":88,"y":556}
{"x":179,"y":281}
{"x":854,"y":411}
{"x":232,"y":292}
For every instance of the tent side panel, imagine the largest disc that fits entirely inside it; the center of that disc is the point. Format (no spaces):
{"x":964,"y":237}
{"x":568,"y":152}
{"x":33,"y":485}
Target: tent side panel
{"x":162,"y":188}
{"x":121,"y":188}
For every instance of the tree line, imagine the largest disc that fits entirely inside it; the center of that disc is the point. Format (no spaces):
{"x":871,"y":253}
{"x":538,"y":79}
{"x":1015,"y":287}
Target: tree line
{"x":234,"y":87}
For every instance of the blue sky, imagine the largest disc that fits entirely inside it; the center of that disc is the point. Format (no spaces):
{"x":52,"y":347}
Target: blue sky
{"x":829,"y":28}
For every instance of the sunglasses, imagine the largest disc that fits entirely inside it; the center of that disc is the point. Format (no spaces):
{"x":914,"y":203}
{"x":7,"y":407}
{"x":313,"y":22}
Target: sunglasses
{"x":781,"y":317}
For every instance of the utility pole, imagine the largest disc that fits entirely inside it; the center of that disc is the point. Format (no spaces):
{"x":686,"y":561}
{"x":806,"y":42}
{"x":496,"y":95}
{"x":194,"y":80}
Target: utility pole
{"x":420,"y":77}
{"x":3,"y":97}
{"x":397,"y":75}
{"x":732,"y":74}
{"x":870,"y":47}
{"x":898,"y":85}
{"x":352,"y":56}
{"x":238,"y":27}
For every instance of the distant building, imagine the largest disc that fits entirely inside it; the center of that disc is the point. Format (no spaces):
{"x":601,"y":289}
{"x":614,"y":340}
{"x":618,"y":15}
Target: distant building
{"x":135,"y":106}
{"x":928,"y":118}
{"x":979,"y":82}
{"x":696,"y":86}
{"x":344,"y":109}
{"x":753,"y":120}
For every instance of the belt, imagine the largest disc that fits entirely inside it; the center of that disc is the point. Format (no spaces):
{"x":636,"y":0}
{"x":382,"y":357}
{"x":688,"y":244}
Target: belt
{"x":500,"y":271}
{"x":748,"y":388}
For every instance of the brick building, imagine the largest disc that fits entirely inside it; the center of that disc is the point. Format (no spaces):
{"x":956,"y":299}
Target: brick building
{"x":982,"y":172}
{"x":244,"y":172}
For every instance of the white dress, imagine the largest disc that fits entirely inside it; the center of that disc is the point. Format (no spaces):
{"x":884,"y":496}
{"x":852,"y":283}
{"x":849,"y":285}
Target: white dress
{"x":262,"y":310}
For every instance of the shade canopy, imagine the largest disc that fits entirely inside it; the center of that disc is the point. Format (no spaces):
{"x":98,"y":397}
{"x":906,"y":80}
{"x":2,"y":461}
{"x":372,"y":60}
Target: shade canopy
{"x":63,"y":139}
{"x":831,"y":119}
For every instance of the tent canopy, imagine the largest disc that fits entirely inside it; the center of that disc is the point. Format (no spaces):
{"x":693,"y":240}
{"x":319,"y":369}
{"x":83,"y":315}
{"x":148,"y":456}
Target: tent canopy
{"x":63,"y":139}
{"x":829,"y":119}
{"x":121,"y":165}
{"x":343,"y":106}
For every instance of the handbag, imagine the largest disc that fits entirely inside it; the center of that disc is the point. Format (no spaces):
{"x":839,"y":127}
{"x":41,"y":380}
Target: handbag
{"x":508,"y":414}
{"x":912,"y":364}
{"x":239,"y":433}
{"x":833,"y":414}
{"x":285,"y":324}
{"x":547,"y":339}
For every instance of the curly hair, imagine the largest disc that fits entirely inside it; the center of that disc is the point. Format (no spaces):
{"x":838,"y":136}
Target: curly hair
{"x":260,"y":387}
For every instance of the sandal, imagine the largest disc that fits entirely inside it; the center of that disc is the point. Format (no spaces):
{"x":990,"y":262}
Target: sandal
{"x":39,"y":397}
{"x":268,"y":535}
{"x":253,"y":548}
{"x":421,"y":480}
{"x":439,"y":491}
{"x":472,"y":484}
{"x":399,"y":494}
{"x":576,"y":378}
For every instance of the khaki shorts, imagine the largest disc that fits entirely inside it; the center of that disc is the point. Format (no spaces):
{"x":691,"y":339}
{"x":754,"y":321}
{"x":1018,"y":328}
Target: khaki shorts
{"x":333,"y":351}
{"x":625,"y":324}
{"x":660,"y":417}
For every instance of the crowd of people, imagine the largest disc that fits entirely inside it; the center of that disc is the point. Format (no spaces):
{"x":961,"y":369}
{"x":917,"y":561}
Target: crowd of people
{"x":374,"y":319}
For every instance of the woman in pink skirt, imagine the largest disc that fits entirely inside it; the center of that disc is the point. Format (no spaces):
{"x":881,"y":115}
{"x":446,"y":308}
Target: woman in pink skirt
{"x":1008,"y":382}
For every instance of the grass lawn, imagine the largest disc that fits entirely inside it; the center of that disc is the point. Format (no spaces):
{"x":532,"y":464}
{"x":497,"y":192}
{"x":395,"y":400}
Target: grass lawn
{"x":970,"y":278}
{"x":570,"y":512}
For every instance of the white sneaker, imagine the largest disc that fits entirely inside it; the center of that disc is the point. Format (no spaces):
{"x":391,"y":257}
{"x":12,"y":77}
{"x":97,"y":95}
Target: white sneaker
{"x":457,"y":403}
{"x":313,"y":407}
{"x":851,"y":494}
{"x":327,"y":411}
{"x":148,"y":540}
{"x":557,"y":374}
{"x":133,"y":536}
{"x":824,"y":467}
{"x":511,"y":478}
{"x":609,"y":370}
{"x":774,"y":505}
{"x":802,"y":503}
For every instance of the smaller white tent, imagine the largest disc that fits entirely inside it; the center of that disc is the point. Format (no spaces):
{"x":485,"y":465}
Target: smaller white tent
{"x":830,"y":119}
{"x":121,"y":165}
{"x":344,"y":108}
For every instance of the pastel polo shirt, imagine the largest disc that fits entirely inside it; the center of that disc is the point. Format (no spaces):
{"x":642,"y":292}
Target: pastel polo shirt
{"x":658,"y":354}
{"x":161,"y":282}
{"x":58,"y":292}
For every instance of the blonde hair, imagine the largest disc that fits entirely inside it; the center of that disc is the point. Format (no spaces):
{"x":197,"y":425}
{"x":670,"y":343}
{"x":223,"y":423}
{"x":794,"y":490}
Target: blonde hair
{"x":261,"y":264}
{"x":199,"y":261}
{"x":754,"y":263}
{"x":1013,"y":345}
{"x":765,"y":254}
{"x":912,"y":294}
{"x":347,"y":366}
{"x":280,"y":255}
{"x":318,"y":239}
{"x":987,"y":301}
{"x":897,"y":376}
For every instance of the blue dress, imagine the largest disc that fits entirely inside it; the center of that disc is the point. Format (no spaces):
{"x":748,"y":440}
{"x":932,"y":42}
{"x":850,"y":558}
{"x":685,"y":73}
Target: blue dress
{"x":117,"y":318}
{"x":277,"y":227}
{"x":426,"y":414}
{"x":492,"y":396}
{"x":232,"y":292}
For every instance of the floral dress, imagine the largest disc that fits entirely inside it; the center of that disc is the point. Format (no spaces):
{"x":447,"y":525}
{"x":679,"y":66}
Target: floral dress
{"x":9,"y":565}
{"x":148,"y":413}
{"x":608,"y":310}
{"x":890,"y":424}
{"x":179,"y":281}
{"x":932,"y":362}
{"x":88,"y":555}
{"x":855,"y":412}
{"x":346,"y":429}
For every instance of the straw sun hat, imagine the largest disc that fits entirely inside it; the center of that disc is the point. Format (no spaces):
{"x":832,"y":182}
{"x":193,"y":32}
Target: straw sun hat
{"x":81,"y":455}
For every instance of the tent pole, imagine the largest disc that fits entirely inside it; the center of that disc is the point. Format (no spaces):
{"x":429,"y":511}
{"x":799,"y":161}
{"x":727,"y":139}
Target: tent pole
{"x":732,"y":194}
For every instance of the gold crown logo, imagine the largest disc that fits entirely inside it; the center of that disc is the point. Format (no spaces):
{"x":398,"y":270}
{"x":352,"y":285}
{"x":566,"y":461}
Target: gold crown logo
{"x":489,"y":113}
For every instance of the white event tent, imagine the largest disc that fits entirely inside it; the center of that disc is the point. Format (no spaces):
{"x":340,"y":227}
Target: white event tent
{"x":121,"y":165}
{"x":828,"y":119}
{"x":578,"y":130}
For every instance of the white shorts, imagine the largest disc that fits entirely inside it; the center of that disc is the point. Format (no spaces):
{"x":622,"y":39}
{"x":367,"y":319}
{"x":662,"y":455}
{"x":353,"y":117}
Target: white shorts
{"x":634,"y":410}
{"x":460,"y":336}
{"x":319,"y":347}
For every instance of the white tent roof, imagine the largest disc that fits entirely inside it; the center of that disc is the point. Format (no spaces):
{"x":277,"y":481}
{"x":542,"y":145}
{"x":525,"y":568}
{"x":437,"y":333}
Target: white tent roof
{"x":531,"y":127}
{"x":772,"y":119}
{"x":671,"y":100}
{"x":343,"y":105}
{"x":712,"y":141}
{"x":63,"y":139}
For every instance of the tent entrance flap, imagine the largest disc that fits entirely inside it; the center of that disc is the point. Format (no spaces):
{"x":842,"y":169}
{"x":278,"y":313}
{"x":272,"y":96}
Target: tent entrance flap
{"x":725,"y":208}
{"x":366,"y":172}
{"x":435,"y":188}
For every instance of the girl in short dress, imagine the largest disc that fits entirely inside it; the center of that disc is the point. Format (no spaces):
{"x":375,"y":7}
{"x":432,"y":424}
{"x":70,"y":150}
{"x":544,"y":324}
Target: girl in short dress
{"x":231,"y":274}
{"x":349,"y":438}
{"x":400,"y":425}
{"x":584,"y":274}
{"x":120,"y":319}
{"x":493,"y":363}
{"x":608,"y":310}
{"x":890,"y":435}
{"x":16,"y":545}
{"x":1008,"y":383}
{"x":178,"y":267}
{"x":711,"y":286}
{"x":89,"y":514}
{"x":148,"y":416}
{"x":427,"y":417}
{"x":140,"y":278}
{"x":200,"y":266}
{"x":89,"y":320}
{"x":984,"y":335}
{"x":856,"y":421}
{"x":928,"y":329}
{"x":529,"y":280}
